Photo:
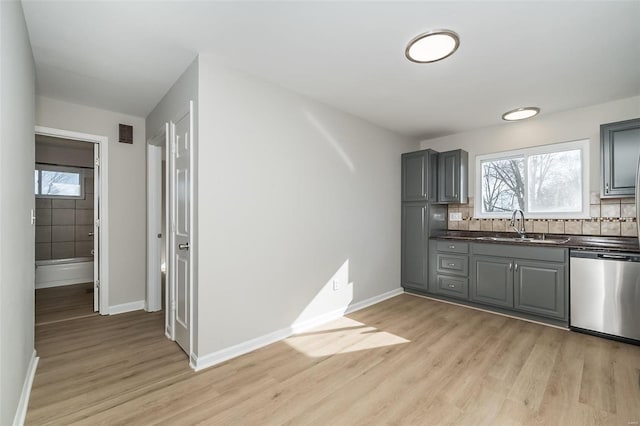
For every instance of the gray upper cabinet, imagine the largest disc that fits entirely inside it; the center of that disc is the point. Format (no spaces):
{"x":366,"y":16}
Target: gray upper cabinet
{"x":620,"y":149}
{"x":452,"y":176}
{"x":419,"y":175}
{"x":414,"y":245}
{"x":492,"y":281}
{"x":540,"y":288}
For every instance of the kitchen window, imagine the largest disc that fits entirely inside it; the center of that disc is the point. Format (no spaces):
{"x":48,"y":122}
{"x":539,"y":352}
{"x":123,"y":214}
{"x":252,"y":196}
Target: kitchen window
{"x":58,"y":182}
{"x":550,"y":181}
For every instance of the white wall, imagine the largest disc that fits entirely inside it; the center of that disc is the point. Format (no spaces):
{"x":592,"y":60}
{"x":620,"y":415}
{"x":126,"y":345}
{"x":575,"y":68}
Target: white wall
{"x":17,"y":238}
{"x":582,"y":123}
{"x":127,"y":176}
{"x":291,"y":194}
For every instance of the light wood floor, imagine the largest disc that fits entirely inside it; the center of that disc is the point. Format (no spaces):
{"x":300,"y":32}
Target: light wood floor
{"x":64,"y":303}
{"x":407,"y":360}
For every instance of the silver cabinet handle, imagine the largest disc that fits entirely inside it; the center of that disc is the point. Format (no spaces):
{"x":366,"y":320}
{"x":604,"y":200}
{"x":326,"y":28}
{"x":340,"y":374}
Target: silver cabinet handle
{"x":452,"y":247}
{"x":452,"y":264}
{"x":510,"y":266}
{"x":516,"y":267}
{"x":452,"y":286}
{"x":90,"y":234}
{"x":183,"y":246}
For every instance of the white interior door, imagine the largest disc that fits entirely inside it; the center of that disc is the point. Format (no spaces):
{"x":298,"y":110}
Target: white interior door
{"x":182,"y":134}
{"x":96,"y":227}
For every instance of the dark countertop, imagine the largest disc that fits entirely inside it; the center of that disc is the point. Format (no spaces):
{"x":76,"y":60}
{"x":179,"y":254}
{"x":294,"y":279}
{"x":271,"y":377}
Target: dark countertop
{"x":580,"y":242}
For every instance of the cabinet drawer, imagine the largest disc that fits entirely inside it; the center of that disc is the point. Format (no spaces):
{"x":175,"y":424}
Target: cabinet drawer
{"x":452,"y":264}
{"x":453,"y":286}
{"x":452,"y":246}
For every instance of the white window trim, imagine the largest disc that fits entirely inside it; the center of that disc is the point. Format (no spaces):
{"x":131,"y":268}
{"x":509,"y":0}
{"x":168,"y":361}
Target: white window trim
{"x":69,"y":169}
{"x":582,"y":145}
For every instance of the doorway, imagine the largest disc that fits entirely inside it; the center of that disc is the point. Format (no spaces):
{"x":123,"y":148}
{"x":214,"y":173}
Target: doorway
{"x":169,"y":229}
{"x":70,"y":186}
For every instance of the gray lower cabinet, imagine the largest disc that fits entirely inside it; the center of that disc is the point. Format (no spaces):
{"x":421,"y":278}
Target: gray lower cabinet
{"x":539,"y":288}
{"x":523,"y":284}
{"x":492,"y":280}
{"x":515,"y":279}
{"x":450,"y":269}
{"x":414,"y":245}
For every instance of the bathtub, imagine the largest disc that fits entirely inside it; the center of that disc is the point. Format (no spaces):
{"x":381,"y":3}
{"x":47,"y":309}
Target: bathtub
{"x":59,"y":272}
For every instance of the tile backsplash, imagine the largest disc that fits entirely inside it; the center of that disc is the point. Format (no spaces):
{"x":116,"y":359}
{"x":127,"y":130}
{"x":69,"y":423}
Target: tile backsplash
{"x":613,"y":217}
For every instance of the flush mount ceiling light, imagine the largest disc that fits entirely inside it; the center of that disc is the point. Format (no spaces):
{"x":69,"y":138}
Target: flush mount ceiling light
{"x":432,"y":46}
{"x":520,"y":113}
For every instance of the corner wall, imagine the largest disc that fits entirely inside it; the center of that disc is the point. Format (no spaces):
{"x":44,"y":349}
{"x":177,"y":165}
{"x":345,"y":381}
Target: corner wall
{"x":127,"y":190}
{"x":17,"y":147}
{"x":293,"y":195}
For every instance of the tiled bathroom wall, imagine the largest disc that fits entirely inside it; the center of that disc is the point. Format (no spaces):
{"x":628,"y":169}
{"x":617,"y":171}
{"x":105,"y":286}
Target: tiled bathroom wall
{"x":63,"y":226}
{"x":611,"y":217}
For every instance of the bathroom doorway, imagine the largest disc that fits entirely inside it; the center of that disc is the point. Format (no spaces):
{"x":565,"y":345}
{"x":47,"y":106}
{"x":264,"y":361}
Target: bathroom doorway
{"x":69,"y":192}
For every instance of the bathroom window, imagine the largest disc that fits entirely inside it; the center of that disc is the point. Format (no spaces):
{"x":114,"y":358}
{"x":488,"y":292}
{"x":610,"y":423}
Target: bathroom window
{"x":58,"y":182}
{"x":549,"y":181}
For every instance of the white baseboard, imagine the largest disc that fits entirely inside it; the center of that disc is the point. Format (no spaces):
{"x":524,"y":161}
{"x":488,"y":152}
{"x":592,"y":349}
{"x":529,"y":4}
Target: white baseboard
{"x":126,"y":307}
{"x":209,"y":360}
{"x":21,"y":411}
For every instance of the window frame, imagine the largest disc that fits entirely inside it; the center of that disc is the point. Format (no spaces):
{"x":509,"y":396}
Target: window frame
{"x":581,"y":144}
{"x":40,"y":167}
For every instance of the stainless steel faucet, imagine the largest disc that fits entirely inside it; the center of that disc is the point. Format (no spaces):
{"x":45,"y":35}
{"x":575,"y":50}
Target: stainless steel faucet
{"x":520,"y":230}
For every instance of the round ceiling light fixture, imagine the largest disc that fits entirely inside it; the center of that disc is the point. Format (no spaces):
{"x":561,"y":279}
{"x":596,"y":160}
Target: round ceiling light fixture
{"x":432,"y":46}
{"x":520,"y":113}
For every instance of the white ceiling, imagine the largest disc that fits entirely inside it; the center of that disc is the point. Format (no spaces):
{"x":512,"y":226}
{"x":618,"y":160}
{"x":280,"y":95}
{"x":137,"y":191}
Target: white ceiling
{"x":124,"y":56}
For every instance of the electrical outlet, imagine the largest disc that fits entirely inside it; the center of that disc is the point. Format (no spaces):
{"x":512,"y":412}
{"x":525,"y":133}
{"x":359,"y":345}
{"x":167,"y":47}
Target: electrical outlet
{"x":455,"y":216}
{"x":336,"y":285}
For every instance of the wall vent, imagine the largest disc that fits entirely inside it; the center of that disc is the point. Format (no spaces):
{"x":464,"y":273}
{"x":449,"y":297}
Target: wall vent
{"x":126,"y":134}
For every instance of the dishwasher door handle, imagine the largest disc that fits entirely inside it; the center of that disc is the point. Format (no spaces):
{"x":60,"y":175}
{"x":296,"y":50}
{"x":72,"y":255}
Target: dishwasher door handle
{"x":614,"y":256}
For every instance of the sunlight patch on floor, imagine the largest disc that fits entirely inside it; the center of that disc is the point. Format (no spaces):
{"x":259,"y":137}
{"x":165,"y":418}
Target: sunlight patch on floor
{"x":342,"y":336}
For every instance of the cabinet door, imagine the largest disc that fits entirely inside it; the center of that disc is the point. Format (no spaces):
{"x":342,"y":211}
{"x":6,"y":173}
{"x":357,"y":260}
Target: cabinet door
{"x":452,"y":176}
{"x":414,"y":246}
{"x":620,"y":149}
{"x":419,"y":176}
{"x":492,"y":280}
{"x":540,"y":288}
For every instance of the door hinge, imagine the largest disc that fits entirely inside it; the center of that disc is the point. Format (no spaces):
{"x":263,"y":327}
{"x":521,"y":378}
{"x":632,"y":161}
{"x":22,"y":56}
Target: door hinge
{"x":98,"y":223}
{"x":173,"y":305}
{"x":97,"y":162}
{"x":97,"y":283}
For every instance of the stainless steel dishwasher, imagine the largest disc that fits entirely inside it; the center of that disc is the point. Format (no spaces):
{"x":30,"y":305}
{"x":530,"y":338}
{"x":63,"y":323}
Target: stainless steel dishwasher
{"x":605,"y":293}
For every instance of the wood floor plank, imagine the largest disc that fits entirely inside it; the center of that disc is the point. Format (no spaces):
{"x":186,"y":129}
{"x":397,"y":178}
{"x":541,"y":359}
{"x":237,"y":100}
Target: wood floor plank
{"x":408,"y":360}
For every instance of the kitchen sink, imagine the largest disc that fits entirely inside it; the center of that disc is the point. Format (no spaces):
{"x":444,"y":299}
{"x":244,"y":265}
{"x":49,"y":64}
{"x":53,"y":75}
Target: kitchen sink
{"x":525,"y":240}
